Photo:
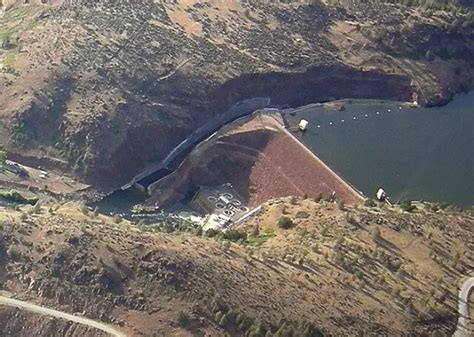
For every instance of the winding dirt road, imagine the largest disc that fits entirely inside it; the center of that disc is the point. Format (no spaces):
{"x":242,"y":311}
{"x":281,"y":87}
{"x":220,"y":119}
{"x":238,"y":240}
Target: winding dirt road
{"x":59,"y":314}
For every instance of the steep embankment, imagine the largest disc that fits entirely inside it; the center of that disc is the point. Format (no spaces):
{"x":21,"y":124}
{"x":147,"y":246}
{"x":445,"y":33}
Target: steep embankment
{"x":262,"y":161}
{"x":344,"y":272}
{"x":109,"y":88}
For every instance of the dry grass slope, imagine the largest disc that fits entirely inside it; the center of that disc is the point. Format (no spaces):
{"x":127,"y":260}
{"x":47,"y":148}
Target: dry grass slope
{"x":338,"y":270}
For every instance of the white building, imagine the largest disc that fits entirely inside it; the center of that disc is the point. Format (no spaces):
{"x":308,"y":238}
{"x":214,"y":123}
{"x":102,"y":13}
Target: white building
{"x":303,"y":124}
{"x":381,"y":195}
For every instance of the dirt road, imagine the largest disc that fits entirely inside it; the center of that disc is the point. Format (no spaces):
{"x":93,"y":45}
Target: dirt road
{"x":59,"y":314}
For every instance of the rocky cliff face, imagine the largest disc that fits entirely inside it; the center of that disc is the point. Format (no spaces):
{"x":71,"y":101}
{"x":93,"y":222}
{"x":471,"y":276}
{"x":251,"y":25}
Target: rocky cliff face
{"x":111,"y":86}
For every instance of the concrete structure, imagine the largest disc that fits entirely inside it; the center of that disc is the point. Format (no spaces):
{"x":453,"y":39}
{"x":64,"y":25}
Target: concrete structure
{"x":223,"y":204}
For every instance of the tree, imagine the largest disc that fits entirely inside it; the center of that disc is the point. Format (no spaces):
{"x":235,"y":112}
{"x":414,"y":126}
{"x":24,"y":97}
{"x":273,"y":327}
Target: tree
{"x":234,"y":235}
{"x":376,"y":233}
{"x":211,"y":232}
{"x":218,"y":316}
{"x":5,"y":41}
{"x":3,"y":157}
{"x":255,"y":231}
{"x":84,"y":210}
{"x":396,"y":292}
{"x":255,"y":329}
{"x":182,"y":318}
{"x":293,"y":200}
{"x":281,"y":332}
{"x":370,"y":203}
{"x":407,"y":206}
{"x":225,"y":245}
{"x":198,"y":231}
{"x":302,"y":215}
{"x":324,"y":230}
{"x":429,"y":55}
{"x":341,"y":204}
{"x":318,"y":198}
{"x":224,"y":320}
{"x":285,"y":222}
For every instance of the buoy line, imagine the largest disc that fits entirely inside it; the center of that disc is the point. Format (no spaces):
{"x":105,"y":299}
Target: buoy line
{"x":355,"y":117}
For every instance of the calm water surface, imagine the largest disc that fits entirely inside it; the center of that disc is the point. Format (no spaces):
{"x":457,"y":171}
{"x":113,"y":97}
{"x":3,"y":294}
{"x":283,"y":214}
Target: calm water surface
{"x":420,"y":154}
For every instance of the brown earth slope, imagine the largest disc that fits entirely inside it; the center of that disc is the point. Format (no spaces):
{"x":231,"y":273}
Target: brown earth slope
{"x":373,"y":271}
{"x":105,"y":88}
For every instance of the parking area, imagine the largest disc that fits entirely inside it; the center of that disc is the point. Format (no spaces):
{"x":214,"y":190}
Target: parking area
{"x":15,"y":174}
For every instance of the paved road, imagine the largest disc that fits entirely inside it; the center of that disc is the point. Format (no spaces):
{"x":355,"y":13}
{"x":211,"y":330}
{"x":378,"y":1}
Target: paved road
{"x":59,"y":314}
{"x":463,"y":308}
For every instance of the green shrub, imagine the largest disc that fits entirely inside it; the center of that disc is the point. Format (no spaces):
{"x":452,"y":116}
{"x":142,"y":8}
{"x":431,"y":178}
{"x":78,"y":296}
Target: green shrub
{"x":234,"y":235}
{"x":285,"y":222}
{"x":302,"y":215}
{"x":407,"y":206}
{"x":211,"y":232}
{"x":370,"y":203}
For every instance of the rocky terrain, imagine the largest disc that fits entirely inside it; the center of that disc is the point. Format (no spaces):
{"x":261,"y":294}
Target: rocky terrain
{"x":328,"y":269}
{"x":101,"y":89}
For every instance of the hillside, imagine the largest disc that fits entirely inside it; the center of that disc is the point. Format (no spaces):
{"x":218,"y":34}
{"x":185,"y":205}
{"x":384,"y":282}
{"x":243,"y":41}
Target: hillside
{"x":100,"y":90}
{"x":337,"y":270}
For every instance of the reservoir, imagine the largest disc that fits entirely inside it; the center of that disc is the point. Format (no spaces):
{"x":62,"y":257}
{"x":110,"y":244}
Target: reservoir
{"x":413,"y":153}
